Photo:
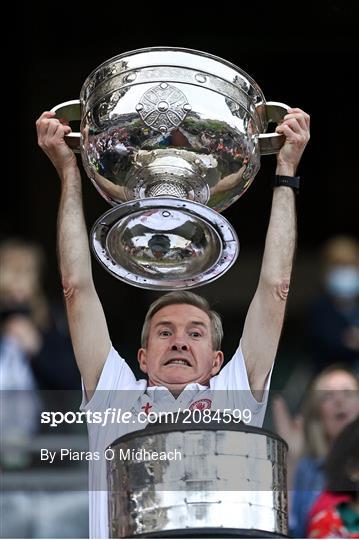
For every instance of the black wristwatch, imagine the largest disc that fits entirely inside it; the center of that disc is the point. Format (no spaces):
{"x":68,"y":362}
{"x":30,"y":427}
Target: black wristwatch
{"x":289,"y":181}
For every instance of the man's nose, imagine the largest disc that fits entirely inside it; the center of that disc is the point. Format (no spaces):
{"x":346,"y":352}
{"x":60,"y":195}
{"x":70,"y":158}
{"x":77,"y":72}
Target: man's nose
{"x":179,"y":345}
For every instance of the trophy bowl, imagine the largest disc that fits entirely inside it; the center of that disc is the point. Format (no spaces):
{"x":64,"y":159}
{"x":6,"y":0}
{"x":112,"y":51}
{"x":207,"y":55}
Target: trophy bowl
{"x":170,"y":137}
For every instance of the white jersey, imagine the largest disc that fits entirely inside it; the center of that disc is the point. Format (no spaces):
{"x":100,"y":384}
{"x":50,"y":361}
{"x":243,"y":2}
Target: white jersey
{"x":118,"y":389}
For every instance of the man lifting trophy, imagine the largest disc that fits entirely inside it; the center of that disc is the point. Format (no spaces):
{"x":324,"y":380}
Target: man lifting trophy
{"x":170,"y":138}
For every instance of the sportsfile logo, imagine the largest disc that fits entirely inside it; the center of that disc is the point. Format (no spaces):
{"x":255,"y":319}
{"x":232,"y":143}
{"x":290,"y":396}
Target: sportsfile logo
{"x":112,"y":415}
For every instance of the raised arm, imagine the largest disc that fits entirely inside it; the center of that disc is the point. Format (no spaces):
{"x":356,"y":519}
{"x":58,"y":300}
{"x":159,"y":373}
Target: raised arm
{"x":264,"y":321}
{"x":86,"y":318}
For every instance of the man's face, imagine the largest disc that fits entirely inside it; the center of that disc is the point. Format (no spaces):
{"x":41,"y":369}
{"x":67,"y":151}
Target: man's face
{"x":179,"y":349}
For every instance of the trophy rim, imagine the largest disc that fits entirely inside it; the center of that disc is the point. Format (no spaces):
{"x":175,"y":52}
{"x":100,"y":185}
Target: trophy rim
{"x":167,"y":48}
{"x":164,"y":428}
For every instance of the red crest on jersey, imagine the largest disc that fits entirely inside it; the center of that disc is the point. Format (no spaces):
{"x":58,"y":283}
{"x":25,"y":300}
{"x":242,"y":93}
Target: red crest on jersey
{"x":201,"y":404}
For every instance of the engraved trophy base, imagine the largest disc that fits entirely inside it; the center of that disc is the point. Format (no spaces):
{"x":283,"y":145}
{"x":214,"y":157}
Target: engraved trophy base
{"x":229,"y":481}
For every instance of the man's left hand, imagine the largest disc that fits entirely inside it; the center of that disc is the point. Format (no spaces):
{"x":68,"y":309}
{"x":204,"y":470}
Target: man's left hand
{"x":295,"y":127}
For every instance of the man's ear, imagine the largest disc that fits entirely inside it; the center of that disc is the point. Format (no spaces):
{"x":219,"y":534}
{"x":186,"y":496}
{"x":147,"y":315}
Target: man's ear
{"x":217,"y":362}
{"x":142,"y":359}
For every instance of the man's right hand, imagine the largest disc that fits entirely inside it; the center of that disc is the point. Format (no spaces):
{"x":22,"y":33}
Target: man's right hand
{"x":87,"y":322}
{"x":51,"y":138}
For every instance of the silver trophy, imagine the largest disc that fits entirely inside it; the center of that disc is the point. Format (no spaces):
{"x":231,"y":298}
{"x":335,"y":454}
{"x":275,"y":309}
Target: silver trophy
{"x":170,"y":137}
{"x":228,"y":480}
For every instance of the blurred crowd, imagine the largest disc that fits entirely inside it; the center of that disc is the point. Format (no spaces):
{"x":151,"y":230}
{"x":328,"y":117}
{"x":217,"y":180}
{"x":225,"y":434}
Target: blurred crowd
{"x":333,"y":319}
{"x":36,"y":357}
{"x":30,"y":322}
{"x":323,"y":435}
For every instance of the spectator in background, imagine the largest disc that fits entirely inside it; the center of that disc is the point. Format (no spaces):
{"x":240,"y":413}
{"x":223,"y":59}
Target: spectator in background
{"x":334,"y":317}
{"x":335,"y":514}
{"x":35,"y":353}
{"x":29,"y":320}
{"x":19,"y":401}
{"x":332,"y":402}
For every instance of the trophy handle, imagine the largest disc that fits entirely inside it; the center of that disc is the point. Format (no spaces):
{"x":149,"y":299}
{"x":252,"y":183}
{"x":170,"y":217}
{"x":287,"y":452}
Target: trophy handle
{"x":271,"y":143}
{"x":70,"y":111}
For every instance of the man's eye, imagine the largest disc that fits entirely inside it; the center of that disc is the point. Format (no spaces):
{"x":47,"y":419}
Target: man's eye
{"x":195,"y":334}
{"x":165,"y":333}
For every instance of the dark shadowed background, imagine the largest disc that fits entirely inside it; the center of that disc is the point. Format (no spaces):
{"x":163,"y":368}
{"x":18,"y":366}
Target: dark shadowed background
{"x":306,"y":58}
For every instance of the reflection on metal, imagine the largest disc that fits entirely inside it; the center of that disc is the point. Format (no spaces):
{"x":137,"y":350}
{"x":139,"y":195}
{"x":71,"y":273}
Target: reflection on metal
{"x":229,"y":478}
{"x":173,"y":242}
{"x":168,"y":122}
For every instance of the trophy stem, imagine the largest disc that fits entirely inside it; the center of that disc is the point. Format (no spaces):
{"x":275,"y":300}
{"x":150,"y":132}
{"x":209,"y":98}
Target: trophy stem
{"x":167,"y":189}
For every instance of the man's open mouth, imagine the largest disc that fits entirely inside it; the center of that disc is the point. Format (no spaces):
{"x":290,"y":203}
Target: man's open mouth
{"x":178,"y":361}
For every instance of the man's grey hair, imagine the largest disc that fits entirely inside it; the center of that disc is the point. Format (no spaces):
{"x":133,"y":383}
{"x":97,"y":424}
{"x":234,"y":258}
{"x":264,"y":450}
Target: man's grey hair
{"x":184,"y":297}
